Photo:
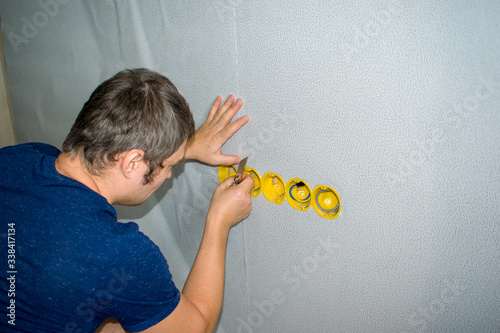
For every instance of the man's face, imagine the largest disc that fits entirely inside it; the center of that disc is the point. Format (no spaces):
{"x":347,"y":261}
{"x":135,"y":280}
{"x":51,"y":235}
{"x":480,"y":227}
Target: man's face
{"x":140,"y":192}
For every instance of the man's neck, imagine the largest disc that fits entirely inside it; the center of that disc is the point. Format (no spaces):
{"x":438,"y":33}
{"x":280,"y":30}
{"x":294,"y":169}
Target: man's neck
{"x":73,"y":167}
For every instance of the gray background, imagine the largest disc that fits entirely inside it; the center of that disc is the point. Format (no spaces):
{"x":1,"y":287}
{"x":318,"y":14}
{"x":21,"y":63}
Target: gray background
{"x":395,"y":104}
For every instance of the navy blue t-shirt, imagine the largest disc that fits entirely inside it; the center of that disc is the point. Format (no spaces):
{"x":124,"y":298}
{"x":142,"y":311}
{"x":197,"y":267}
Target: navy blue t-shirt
{"x":67,"y":263}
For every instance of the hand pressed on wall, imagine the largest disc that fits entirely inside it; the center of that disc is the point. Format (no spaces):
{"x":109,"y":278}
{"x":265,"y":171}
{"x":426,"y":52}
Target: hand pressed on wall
{"x":206,"y":143}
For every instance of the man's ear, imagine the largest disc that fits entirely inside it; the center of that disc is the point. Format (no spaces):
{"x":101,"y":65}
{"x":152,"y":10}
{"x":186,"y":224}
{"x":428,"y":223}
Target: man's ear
{"x":132,"y":161}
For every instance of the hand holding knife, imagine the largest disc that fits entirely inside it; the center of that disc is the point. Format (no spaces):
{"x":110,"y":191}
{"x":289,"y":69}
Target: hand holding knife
{"x":241,"y":168}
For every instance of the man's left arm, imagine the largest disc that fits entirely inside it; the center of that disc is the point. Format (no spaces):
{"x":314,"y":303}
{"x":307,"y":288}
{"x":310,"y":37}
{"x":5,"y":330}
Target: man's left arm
{"x":206,"y":143}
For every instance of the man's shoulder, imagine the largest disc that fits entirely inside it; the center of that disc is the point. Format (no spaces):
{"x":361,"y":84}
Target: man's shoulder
{"x":30,"y":148}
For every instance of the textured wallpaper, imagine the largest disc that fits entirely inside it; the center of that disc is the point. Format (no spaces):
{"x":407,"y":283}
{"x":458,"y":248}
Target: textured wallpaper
{"x":394,"y":104}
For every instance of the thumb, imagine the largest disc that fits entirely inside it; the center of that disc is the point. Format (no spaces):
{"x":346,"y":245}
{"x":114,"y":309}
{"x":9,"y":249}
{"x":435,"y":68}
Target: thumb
{"x":228,"y":159}
{"x":247,"y":183}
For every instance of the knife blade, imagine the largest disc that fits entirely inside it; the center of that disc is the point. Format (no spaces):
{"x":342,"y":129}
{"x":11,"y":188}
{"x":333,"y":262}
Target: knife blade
{"x":241,"y":169}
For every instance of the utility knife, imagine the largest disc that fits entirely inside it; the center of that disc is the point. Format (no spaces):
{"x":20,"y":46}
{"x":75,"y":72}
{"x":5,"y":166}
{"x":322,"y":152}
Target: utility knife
{"x":241,"y":168}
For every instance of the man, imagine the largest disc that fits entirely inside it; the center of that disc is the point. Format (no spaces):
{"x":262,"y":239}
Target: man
{"x":72,"y":266}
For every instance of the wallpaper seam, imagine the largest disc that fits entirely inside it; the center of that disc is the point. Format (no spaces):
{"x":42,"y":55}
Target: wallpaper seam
{"x":237,"y":79}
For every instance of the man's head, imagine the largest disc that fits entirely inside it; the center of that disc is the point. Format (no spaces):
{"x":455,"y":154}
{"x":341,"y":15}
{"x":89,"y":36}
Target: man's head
{"x":135,"y":109}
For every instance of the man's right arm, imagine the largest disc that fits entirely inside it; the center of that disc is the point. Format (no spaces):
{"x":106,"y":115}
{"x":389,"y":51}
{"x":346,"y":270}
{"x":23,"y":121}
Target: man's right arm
{"x":201,"y":297}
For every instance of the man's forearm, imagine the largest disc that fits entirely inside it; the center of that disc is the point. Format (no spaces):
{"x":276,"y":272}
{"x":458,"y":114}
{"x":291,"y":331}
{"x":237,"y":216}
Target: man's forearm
{"x":204,"y":286}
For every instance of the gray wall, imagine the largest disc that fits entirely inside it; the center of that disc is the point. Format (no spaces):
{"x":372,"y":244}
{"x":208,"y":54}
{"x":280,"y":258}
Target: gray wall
{"x":395,"y":104}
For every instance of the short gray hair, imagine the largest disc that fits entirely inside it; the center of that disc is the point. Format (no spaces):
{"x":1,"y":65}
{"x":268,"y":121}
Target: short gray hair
{"x":135,"y":109}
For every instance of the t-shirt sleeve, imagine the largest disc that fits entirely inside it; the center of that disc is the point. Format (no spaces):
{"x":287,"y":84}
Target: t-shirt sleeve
{"x":138,"y":283}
